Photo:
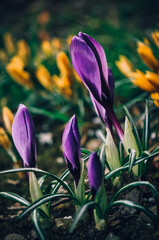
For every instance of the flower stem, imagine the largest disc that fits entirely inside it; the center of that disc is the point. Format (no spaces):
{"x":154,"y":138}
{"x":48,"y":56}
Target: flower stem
{"x":116,"y":123}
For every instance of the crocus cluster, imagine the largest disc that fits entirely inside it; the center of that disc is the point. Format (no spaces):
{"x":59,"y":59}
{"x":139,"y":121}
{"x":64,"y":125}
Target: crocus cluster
{"x":148,"y":81}
{"x":89,"y":61}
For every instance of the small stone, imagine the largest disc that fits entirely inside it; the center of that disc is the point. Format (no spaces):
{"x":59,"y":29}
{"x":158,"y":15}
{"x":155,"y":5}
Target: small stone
{"x":60,"y":160}
{"x":112,"y":236}
{"x":59,"y":223}
{"x":14,"y":236}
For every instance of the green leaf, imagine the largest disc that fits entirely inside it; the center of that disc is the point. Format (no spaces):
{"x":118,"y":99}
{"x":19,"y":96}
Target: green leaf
{"x":101,"y":199}
{"x":37,"y":227}
{"x":135,"y":131}
{"x":132,"y":159}
{"x":42,"y":200}
{"x":56,"y":115}
{"x":130,"y":143}
{"x":112,"y":154}
{"x":35,"y":191}
{"x":135,"y":184}
{"x":146,"y":130}
{"x":64,"y":184}
{"x":15,"y":197}
{"x":80,"y":189}
{"x":81,"y":211}
{"x":134,"y":205}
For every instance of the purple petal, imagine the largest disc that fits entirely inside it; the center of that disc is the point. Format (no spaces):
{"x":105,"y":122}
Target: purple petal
{"x":100,"y":52}
{"x":23,"y":133}
{"x":94,"y":173}
{"x":71,"y":147}
{"x":111,"y":84}
{"x":86,"y":66}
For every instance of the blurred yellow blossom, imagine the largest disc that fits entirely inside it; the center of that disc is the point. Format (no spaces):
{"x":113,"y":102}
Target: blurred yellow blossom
{"x":56,"y":44}
{"x":44,"y":77}
{"x":64,"y":65}
{"x":69,"y":39}
{"x":64,"y":81}
{"x":124,"y":65}
{"x":148,"y":81}
{"x":8,"y":42}
{"x":155,"y":36}
{"x":140,"y":80}
{"x":4,"y":140}
{"x":16,"y":71}
{"x":155,"y":97}
{"x":7,"y":119}
{"x":46,"y":47}
{"x":147,"y":56}
{"x":3,"y":56}
{"x":63,"y":85}
{"x":23,"y":50}
{"x":153,"y":78}
{"x":44,"y":17}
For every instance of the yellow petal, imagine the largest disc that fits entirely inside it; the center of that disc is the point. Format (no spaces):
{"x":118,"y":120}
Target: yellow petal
{"x":46,"y":47}
{"x":140,"y":80}
{"x":8,"y":42}
{"x":124,"y":66}
{"x":155,"y":97}
{"x":147,"y":56}
{"x":7,"y":119}
{"x":4,"y":140}
{"x":56,"y":44}
{"x":63,"y":85}
{"x":3,"y":56}
{"x":153,"y":78}
{"x":23,"y":50}
{"x":69,"y":39}
{"x":155,"y":37}
{"x":64,"y":65}
{"x":16,"y":72}
{"x":44,"y":77}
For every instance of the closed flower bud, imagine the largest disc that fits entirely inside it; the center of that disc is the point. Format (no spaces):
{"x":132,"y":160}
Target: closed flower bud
{"x":71,"y":148}
{"x":94,"y":173}
{"x":23,"y":133}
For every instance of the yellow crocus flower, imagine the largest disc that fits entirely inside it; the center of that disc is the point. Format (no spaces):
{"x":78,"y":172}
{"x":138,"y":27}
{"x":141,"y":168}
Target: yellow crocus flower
{"x":44,"y":77}
{"x":46,"y":47}
{"x":8,"y":42}
{"x":140,"y":80}
{"x":56,"y":44}
{"x":147,"y":56}
{"x":155,"y":36}
{"x":3,"y":56}
{"x":153,"y":78}
{"x":7,"y":119}
{"x":124,"y":65}
{"x":4,"y":140}
{"x":64,"y":65}
{"x":16,"y":72}
{"x":63,"y":85}
{"x":23,"y":50}
{"x":155,"y":97}
{"x":69,"y":39}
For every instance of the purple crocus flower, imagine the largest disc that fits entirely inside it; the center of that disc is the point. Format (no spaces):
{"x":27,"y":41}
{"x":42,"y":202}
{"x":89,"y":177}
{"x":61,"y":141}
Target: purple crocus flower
{"x":94,"y":173}
{"x":89,"y":61}
{"x":23,"y":133}
{"x":71,"y":148}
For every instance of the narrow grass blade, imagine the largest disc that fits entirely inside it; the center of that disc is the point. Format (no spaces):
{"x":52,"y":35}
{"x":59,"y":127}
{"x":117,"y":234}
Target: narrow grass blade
{"x":80,"y":213}
{"x":15,"y":197}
